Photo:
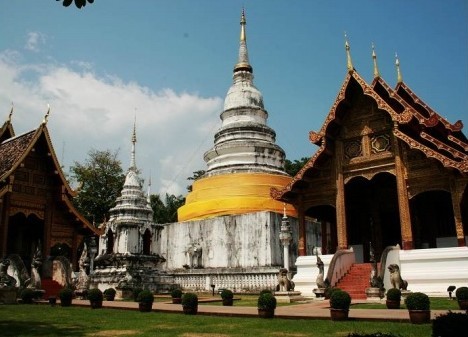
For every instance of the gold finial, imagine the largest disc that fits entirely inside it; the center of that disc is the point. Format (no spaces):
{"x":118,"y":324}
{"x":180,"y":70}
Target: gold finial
{"x":284,"y":210}
{"x":243,"y":60}
{"x":44,"y":121}
{"x":11,"y":113}
{"x":374,"y":58}
{"x":397,"y":64}
{"x":243,"y":22}
{"x":349,"y":62}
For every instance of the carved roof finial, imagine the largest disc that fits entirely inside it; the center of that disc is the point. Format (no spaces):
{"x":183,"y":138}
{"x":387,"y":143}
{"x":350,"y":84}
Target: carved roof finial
{"x":397,"y":64}
{"x":374,"y":58}
{"x":44,"y":121}
{"x":11,"y":113}
{"x":284,"y":210}
{"x":243,"y":60}
{"x":349,"y":62}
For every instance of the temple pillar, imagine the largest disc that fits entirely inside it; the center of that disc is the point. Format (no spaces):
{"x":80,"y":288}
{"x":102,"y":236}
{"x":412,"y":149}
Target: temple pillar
{"x":340,"y":199}
{"x":456,"y":195}
{"x":403,"y":201}
{"x":301,"y":245}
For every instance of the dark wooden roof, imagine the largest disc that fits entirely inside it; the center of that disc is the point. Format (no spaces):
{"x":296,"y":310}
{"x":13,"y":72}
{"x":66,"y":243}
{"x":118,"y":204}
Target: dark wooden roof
{"x":14,"y":150}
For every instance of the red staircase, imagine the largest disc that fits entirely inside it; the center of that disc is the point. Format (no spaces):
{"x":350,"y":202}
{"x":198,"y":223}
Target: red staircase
{"x":356,"y":280}
{"x":51,"y":287}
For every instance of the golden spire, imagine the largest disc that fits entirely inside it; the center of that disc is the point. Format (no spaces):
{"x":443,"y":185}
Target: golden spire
{"x":397,"y":64}
{"x":374,"y":58}
{"x":243,"y":60}
{"x":349,"y":62}
{"x":44,"y":121}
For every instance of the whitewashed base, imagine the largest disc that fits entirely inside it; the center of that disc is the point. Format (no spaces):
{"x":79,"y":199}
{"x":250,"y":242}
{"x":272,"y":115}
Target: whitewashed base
{"x":288,"y":296}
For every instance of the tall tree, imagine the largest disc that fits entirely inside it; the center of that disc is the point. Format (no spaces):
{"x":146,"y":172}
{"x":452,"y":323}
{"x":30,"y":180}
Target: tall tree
{"x":166,"y":211}
{"x":292,"y":168}
{"x":100,"y":180}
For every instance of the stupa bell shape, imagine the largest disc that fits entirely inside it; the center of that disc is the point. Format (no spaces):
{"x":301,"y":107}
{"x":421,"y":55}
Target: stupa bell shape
{"x":244,"y":162}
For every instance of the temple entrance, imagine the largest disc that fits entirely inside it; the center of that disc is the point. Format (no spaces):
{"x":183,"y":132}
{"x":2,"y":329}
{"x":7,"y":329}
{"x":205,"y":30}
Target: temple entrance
{"x":433,"y":221}
{"x":372,"y":214}
{"x":326,"y":216}
{"x":24,"y":234}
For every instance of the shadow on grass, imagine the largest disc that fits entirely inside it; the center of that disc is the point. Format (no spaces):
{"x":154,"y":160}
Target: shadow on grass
{"x":15,"y":328}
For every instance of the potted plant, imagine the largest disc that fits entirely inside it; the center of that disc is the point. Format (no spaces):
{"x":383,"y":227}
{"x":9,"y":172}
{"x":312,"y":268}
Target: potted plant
{"x":66,"y":297}
{"x":27,"y":296}
{"x":393,"y":298}
{"x":135,"y":293}
{"x":145,"y":300}
{"x":266,"y":305}
{"x":176,"y":295}
{"x":109,"y":294}
{"x":95,"y":298}
{"x":329,"y":291}
{"x":462,"y":297}
{"x":190,"y":303}
{"x":339,"y":305}
{"x":228,"y":297}
{"x":418,"y":305}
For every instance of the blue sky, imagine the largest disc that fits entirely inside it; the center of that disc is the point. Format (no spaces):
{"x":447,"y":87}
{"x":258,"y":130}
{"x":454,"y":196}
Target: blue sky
{"x":170,"y":63}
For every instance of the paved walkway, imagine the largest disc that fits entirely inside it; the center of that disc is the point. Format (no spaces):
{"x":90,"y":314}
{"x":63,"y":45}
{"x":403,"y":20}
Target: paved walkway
{"x":309,"y":310}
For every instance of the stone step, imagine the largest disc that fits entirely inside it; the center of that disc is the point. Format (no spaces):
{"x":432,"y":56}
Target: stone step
{"x":356,"y":281}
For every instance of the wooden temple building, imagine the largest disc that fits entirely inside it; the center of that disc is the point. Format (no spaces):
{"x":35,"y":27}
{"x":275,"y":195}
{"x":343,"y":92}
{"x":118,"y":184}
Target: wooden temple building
{"x":35,"y":198}
{"x":389,"y":170}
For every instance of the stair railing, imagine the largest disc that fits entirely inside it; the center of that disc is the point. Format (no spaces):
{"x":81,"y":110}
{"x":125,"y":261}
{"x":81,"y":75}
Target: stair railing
{"x":340,"y":264}
{"x":385,"y":261}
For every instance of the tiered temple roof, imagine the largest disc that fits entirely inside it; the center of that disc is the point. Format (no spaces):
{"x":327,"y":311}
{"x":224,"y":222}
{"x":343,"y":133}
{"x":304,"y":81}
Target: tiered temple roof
{"x":414,"y":123}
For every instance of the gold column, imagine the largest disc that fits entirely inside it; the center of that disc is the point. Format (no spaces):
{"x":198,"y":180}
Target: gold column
{"x":340,"y":199}
{"x":403,"y":201}
{"x":456,"y":200}
{"x":301,"y":245}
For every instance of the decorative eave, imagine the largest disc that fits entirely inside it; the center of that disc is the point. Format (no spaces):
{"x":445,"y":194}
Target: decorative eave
{"x":6,"y":131}
{"x":461,"y":166}
{"x":79,"y":218}
{"x":434,"y":118}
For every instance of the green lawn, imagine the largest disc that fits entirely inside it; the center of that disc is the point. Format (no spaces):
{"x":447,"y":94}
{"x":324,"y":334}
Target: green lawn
{"x":437,"y":303}
{"x":44,"y":320}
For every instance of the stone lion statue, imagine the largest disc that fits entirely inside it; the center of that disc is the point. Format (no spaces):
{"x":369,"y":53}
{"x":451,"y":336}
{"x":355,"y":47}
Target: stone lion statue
{"x":395,"y":277}
{"x":284,"y":284}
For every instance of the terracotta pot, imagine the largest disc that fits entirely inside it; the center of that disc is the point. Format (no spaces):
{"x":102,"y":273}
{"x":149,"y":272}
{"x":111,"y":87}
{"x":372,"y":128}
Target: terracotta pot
{"x":420,"y":316}
{"x":228,"y":302}
{"x":145,"y":306}
{"x":190,"y":310}
{"x":176,"y":300}
{"x":392,"y":304}
{"x":96,"y":304}
{"x":463,"y":304}
{"x":339,"y":314}
{"x":266,"y":313}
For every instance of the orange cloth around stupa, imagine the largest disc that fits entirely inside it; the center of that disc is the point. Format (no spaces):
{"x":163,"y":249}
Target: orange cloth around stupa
{"x":235,"y":193}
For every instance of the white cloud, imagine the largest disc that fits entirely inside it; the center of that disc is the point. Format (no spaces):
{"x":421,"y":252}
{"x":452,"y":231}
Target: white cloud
{"x":34,"y":41}
{"x":92,"y":112}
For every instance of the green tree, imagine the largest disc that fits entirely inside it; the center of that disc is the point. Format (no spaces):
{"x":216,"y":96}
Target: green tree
{"x":292,"y":168}
{"x":196,"y":175}
{"x":166,"y":211}
{"x":100,"y":180}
